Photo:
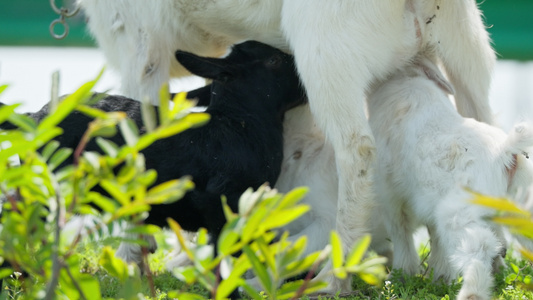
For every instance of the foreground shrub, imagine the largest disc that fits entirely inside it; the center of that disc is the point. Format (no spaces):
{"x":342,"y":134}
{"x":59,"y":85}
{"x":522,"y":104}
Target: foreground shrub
{"x":40,"y":198}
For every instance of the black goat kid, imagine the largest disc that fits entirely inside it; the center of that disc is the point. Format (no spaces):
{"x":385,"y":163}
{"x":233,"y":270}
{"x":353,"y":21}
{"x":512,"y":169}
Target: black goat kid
{"x":240,"y":147}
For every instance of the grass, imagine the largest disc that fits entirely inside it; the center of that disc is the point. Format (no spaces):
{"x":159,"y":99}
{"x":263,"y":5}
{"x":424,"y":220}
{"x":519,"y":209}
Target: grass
{"x":511,"y":282}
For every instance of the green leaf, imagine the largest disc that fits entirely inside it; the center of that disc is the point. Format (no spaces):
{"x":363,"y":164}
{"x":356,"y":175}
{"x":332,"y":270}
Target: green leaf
{"x":176,"y":228}
{"x":528,"y":279}
{"x":89,"y":284}
{"x":252,"y":225}
{"x":148,"y":116}
{"x":86,"y":210}
{"x":300,"y":266}
{"x":92,"y":158}
{"x":68,"y":104}
{"x":169,"y":192}
{"x":337,"y":255}
{"x":102,"y":130}
{"x":527,"y":254}
{"x":185,"y":296}
{"x":114,"y":190}
{"x":259,"y":269}
{"x":191,"y":120}
{"x":186,"y":274}
{"x":19,"y":149}
{"x":7,"y":110}
{"x":289,"y":289}
{"x":228,"y":213}
{"x":126,"y":174}
{"x":105,"y":203}
{"x":144,"y":229}
{"x":49,"y":149}
{"x":371,"y":270}
{"x":145,"y":141}
{"x":60,"y":156}
{"x":517,"y":224}
{"x":44,"y":137}
{"x":294,"y":196}
{"x":509,"y":279}
{"x":285,"y":216}
{"x":95,"y":113}
{"x":202,"y":238}
{"x":226,"y":241}
{"x":5,"y":272}
{"x":113,"y":265}
{"x":227,"y":286}
{"x":164,"y":98}
{"x":500,"y":204}
{"x":181,"y":105}
{"x":132,"y":209}
{"x":240,"y":266}
{"x":95,"y":98}
{"x":369,"y":278}
{"x":359,"y":249}
{"x":293,"y":251}
{"x":250,"y":291}
{"x":3,"y":87}
{"x":267,"y":253}
{"x":147,"y":178}
{"x":109,"y":148}
{"x":23,"y":122}
{"x":129,"y":131}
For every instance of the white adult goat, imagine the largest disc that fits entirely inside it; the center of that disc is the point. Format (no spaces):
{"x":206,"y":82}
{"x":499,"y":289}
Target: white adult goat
{"x":426,"y":155}
{"x":341,"y":48}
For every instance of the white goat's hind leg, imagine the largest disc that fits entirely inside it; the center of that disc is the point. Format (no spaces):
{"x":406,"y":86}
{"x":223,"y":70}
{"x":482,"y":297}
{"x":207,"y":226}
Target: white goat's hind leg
{"x":334,"y":60}
{"x":381,"y":242}
{"x":464,"y":47}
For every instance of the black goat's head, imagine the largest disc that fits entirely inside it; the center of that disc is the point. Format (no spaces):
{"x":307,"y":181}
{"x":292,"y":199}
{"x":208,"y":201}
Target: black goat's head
{"x":253,"y":69}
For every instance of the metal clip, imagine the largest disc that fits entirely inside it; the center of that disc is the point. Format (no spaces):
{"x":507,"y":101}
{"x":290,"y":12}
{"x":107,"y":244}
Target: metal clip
{"x":63,"y":14}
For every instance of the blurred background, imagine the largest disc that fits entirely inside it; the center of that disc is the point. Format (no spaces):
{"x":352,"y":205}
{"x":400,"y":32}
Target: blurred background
{"x":29,"y":55}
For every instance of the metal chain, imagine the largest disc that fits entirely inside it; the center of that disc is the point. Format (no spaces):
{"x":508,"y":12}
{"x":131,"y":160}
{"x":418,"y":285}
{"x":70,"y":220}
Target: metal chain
{"x":63,"y":14}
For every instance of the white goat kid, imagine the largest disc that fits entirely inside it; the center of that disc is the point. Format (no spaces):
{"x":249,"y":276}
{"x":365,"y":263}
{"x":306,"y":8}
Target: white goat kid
{"x":426,"y":155}
{"x":341,"y":48}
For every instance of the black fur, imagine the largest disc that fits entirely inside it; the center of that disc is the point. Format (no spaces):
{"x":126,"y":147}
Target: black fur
{"x":240,"y":147}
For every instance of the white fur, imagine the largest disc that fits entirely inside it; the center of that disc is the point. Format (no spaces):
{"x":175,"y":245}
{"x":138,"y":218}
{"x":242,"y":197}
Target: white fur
{"x":341,"y":48}
{"x":309,"y":160}
{"x":426,"y":155}
{"x":132,"y":253}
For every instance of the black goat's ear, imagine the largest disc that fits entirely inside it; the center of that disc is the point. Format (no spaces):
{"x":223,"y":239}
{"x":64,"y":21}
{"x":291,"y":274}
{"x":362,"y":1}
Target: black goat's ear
{"x":212,"y":68}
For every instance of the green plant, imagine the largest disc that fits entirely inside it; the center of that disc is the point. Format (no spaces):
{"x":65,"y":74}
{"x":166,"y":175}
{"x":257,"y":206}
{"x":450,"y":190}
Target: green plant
{"x":519,"y":222}
{"x":41,"y":198}
{"x":250,"y":232}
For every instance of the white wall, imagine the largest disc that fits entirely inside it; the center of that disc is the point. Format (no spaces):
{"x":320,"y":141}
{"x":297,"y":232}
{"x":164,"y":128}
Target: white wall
{"x":28,"y":72}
